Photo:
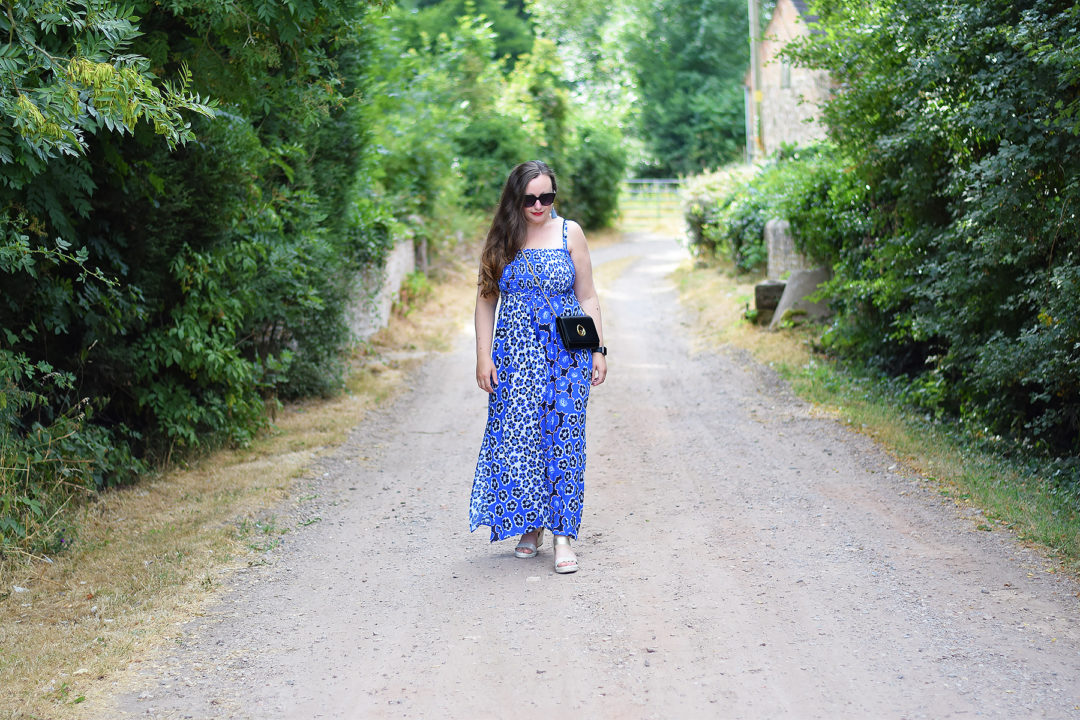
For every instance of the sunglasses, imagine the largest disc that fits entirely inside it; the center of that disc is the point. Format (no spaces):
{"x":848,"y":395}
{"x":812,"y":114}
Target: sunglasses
{"x":545,"y":199}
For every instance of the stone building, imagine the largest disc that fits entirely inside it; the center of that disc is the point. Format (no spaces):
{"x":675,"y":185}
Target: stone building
{"x":790,"y":96}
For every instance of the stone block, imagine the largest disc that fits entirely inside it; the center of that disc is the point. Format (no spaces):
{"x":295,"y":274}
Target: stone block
{"x":767,"y":294}
{"x":793,"y":303}
{"x":783,"y":257}
{"x":374,"y":291}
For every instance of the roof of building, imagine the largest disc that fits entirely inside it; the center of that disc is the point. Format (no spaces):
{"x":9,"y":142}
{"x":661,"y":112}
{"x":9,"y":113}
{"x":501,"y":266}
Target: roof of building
{"x":804,"y":13}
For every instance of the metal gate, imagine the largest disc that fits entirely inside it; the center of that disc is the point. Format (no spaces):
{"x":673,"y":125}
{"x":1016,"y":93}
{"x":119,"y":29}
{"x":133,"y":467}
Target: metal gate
{"x":648,"y":203}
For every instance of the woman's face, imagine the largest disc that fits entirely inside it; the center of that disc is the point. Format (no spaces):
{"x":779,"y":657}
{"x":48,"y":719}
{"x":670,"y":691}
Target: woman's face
{"x":538,"y":213}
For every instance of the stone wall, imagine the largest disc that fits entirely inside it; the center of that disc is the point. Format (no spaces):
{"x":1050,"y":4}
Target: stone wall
{"x":788,"y":114}
{"x":784,"y":259}
{"x":790,"y":96}
{"x":369,"y":311}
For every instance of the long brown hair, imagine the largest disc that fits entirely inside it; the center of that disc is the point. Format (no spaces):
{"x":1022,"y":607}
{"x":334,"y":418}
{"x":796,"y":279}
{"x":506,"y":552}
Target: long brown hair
{"x":507,"y":232}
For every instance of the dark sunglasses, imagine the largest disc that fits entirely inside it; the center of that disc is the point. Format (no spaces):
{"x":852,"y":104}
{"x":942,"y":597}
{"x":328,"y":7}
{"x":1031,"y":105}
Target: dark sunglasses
{"x":545,"y":199}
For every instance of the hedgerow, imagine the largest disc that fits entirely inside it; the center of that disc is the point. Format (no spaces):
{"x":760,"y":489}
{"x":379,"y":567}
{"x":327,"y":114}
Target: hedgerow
{"x":947,"y":210}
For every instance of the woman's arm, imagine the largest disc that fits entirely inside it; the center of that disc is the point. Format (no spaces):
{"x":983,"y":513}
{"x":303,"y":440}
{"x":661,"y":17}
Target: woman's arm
{"x":585,"y":290}
{"x":484,"y":320}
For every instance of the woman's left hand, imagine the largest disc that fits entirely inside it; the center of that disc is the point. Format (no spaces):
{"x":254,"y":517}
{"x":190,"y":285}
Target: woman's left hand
{"x":599,"y":369}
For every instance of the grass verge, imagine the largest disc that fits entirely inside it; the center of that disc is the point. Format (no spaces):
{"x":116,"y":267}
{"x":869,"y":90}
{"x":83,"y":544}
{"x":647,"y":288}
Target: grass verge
{"x":1008,"y":497}
{"x":149,"y":556}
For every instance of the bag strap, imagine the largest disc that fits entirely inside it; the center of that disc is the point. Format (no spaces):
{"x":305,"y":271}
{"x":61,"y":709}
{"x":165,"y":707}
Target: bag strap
{"x":537,"y":278}
{"x":564,"y":235}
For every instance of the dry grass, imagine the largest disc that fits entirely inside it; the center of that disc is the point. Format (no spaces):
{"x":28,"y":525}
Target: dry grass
{"x":605,"y":274}
{"x":154,"y":554}
{"x":668,"y":224}
{"x":719,"y":298}
{"x":604,"y":237}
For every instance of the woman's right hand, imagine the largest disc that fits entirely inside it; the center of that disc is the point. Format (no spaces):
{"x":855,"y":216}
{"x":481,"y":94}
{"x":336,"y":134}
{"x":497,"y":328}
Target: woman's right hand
{"x":486,"y":375}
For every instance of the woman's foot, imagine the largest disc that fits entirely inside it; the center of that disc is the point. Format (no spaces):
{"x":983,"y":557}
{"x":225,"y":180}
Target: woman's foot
{"x":528,"y":544}
{"x":565,"y":559}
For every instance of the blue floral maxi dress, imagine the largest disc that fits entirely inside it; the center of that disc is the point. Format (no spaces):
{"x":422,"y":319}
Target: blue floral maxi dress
{"x":531,"y":470}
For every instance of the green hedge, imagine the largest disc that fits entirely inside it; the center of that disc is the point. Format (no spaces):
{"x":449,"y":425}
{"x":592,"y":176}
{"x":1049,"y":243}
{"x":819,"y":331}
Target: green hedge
{"x":156,"y":296}
{"x":726,"y":212}
{"x":947,"y":209}
{"x":591,"y":175}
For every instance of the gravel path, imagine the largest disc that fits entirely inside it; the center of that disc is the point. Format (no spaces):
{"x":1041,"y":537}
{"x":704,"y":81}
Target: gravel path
{"x":741,"y":558}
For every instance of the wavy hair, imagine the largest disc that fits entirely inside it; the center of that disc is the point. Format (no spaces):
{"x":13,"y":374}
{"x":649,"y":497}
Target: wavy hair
{"x":507,"y":232}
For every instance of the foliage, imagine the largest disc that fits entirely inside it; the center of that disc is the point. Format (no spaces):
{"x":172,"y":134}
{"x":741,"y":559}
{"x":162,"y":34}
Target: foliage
{"x":726,"y":212}
{"x":173,"y":265}
{"x":594,"y":168}
{"x":437,"y":112}
{"x":589,"y":38}
{"x":512,"y":30}
{"x":450,"y":120}
{"x":963,"y":276}
{"x":586,"y":150}
{"x":47,"y":452}
{"x":732,"y":223}
{"x":413,"y":111}
{"x":489,"y":145}
{"x":68,"y":76}
{"x":689,"y":59}
{"x":415,"y":291}
{"x":156,"y":295}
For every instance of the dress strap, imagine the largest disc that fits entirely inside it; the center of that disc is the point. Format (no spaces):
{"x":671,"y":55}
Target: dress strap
{"x":564,"y":234}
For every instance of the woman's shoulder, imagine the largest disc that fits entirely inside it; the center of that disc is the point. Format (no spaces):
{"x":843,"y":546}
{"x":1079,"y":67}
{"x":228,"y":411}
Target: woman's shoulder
{"x":574,"y":234}
{"x":571,"y":225}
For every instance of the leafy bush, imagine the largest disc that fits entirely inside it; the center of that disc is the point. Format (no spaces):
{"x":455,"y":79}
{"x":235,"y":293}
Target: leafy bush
{"x":156,"y":295}
{"x":489,"y":147}
{"x":953,"y":231}
{"x":726,"y":212}
{"x":592,"y":176}
{"x":49,"y":448}
{"x":701,"y":196}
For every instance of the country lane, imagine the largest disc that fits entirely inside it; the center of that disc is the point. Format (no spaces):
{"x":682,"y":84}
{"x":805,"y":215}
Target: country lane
{"x":741,"y":557}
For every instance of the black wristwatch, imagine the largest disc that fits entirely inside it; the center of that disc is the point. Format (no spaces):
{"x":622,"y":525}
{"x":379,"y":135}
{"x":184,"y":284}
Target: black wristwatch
{"x":602,"y":350}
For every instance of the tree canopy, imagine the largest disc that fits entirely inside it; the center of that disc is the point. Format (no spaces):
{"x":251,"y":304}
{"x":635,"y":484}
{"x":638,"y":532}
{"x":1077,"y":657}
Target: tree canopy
{"x":945,"y":205}
{"x":689,"y":59}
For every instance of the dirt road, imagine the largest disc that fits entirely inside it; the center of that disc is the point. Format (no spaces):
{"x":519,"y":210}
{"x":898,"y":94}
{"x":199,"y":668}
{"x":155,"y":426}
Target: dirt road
{"x":741,"y":558}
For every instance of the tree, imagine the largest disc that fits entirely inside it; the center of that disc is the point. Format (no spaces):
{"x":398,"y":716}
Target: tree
{"x":156,"y":295}
{"x":689,"y":59}
{"x":959,"y":120}
{"x":67,"y":75}
{"x":513,"y":29}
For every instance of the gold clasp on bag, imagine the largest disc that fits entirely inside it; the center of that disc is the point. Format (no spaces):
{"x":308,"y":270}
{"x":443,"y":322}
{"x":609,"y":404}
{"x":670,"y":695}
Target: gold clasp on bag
{"x":581,"y":330}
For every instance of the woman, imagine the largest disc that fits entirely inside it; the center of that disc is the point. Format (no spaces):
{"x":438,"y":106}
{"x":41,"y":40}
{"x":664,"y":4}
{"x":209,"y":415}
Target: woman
{"x":531,"y":471}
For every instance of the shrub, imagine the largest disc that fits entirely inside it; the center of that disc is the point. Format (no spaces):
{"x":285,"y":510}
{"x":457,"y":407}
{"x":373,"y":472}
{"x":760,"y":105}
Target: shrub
{"x":489,"y":147}
{"x":726,"y":212}
{"x":592,"y":178}
{"x":954,"y":232}
{"x":157,"y":295}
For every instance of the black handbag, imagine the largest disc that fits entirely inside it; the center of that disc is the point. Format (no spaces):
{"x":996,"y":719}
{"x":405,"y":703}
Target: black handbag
{"x":578,"y":332}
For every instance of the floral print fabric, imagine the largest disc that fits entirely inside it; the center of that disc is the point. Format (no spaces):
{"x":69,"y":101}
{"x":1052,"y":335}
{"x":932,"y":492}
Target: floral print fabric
{"x":531,"y":469}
